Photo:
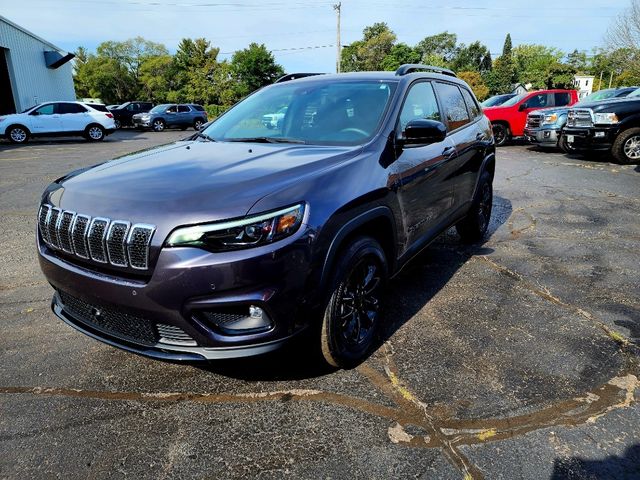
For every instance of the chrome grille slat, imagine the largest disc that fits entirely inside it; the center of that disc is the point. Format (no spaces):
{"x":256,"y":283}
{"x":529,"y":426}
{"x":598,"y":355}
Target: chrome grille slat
{"x":65,"y":221}
{"x":52,"y":227}
{"x":138,"y":245}
{"x":116,"y":243}
{"x":534,"y":121}
{"x":96,"y":237}
{"x":79,"y":235}
{"x":102,"y":240}
{"x":43,"y":221}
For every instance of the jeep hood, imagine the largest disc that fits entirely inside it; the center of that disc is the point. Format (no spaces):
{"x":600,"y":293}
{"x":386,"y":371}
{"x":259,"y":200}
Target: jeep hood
{"x":191,"y":182}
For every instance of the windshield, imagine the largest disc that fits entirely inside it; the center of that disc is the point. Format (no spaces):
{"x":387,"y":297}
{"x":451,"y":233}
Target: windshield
{"x":601,"y":95}
{"x":513,"y":101}
{"x":495,"y":100}
{"x":635,"y":93}
{"x":320,"y":113}
{"x":159,"y":108}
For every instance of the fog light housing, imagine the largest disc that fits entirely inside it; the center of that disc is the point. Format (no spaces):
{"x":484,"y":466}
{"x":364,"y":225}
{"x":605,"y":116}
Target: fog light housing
{"x":238,"y":320}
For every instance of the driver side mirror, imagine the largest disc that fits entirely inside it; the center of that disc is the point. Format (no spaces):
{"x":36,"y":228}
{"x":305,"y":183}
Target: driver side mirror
{"x":421,"y":131}
{"x":35,"y":112}
{"x":522,"y":107}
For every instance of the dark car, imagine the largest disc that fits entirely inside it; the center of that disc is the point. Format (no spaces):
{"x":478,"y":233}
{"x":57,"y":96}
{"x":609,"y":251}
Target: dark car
{"x":498,"y":100}
{"x":609,"y":125}
{"x":124,"y":113}
{"x":171,"y":115}
{"x":234,"y":241}
{"x":544,"y":127}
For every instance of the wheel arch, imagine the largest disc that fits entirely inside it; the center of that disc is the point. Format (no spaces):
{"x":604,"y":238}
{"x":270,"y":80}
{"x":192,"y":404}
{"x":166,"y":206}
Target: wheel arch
{"x":6,"y":131}
{"x":377,"y":223}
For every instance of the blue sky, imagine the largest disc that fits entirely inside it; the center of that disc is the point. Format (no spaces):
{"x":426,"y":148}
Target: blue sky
{"x":284,"y":25}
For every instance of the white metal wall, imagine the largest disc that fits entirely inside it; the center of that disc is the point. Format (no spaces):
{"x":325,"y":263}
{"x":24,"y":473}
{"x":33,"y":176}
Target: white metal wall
{"x":31,"y":80}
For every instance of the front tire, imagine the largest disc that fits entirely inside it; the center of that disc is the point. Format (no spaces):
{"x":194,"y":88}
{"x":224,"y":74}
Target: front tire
{"x":626,"y":148}
{"x":351,"y":318}
{"x":118,"y":124}
{"x":474,"y":226}
{"x":501,"y":134}
{"x":158,"y":125}
{"x":564,"y":145}
{"x":18,"y":134}
{"x":94,"y":133}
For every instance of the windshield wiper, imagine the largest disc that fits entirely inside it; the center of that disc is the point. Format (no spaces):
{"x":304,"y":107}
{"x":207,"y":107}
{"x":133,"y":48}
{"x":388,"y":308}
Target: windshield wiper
{"x":203,"y":135}
{"x":266,"y":140}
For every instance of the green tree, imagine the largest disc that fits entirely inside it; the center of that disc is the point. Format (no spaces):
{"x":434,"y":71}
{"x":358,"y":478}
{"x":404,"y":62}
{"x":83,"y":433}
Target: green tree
{"x":507,"y":46}
{"x":254,"y":67}
{"x":441,"y":45}
{"x":400,"y":54}
{"x":503,"y":74}
{"x":475,"y":81}
{"x":532,"y":63}
{"x":156,"y":78}
{"x":370,"y":52}
{"x":560,"y":75}
{"x":578,"y":60}
{"x":470,"y":58}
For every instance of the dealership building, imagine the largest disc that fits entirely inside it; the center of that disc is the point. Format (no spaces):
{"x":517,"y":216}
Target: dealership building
{"x":32,"y":70}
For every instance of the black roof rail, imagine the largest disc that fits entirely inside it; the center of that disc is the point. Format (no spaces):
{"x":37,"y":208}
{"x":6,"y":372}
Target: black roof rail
{"x":294,"y":76}
{"x":413,"y":67}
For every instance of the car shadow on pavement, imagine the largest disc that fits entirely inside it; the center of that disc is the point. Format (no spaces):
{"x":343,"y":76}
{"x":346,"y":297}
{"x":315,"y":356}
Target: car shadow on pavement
{"x":575,"y":468}
{"x":406,"y":294}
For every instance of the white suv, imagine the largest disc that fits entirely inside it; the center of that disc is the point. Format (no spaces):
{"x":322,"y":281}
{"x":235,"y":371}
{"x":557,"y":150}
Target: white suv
{"x":60,"y":119}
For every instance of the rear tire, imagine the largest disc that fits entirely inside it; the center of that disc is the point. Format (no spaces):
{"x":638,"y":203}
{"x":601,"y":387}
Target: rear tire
{"x":351,"y":318}
{"x":474,"y":226}
{"x":18,"y":134}
{"x":626,"y":148}
{"x":501,"y":134}
{"x":94,"y":133}
{"x":197,"y":124}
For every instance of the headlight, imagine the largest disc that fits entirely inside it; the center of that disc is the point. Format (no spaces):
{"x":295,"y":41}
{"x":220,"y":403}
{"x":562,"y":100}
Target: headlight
{"x":238,"y":234}
{"x":145,"y":117}
{"x":605,"y":118}
{"x":550,"y":119}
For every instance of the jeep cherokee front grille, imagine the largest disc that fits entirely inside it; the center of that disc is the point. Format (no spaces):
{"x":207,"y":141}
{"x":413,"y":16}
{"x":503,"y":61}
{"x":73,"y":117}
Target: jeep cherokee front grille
{"x":102,"y":240}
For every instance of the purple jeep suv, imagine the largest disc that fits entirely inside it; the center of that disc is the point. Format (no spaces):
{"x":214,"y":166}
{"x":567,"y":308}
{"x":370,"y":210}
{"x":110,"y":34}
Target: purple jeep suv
{"x":235,"y":240}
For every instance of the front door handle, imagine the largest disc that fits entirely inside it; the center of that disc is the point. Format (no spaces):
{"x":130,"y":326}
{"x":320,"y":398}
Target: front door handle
{"x":448,"y":152}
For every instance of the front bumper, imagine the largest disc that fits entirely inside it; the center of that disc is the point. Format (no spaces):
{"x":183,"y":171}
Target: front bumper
{"x":547,"y":137}
{"x":137,"y":122}
{"x":592,"y":138}
{"x":186,"y":284}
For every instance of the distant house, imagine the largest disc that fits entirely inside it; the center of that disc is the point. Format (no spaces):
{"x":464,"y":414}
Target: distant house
{"x":520,"y":88}
{"x":32,"y":70}
{"x":584,"y":84}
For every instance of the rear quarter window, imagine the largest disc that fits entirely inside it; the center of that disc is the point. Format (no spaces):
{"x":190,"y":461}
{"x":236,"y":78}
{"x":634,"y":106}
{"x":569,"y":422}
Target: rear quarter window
{"x":199,"y":108}
{"x":472,"y":104}
{"x":455,"y":109}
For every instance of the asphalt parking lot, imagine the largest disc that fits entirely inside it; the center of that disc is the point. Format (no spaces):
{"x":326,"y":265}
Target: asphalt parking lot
{"x":517,"y":358}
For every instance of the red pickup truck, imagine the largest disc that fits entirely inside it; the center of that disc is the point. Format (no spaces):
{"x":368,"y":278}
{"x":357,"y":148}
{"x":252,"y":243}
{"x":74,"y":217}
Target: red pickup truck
{"x":508,"y":119}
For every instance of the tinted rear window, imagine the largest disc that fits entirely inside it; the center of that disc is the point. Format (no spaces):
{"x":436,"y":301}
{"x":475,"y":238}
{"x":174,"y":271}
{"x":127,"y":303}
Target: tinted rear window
{"x":70,"y":108}
{"x":100,"y":108}
{"x":200,"y":108}
{"x":455,"y":110}
{"x":474,"y":108}
{"x":562,"y":99}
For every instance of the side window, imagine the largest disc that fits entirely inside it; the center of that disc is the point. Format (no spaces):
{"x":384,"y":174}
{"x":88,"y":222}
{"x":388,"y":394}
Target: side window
{"x":562,"y":99}
{"x":131,"y":107}
{"x":472,"y":105}
{"x":453,"y":104}
{"x":70,"y":108}
{"x":48,"y":109}
{"x":419,"y":103}
{"x":183,"y":109}
{"x":172,"y":109}
{"x":537,"y":101}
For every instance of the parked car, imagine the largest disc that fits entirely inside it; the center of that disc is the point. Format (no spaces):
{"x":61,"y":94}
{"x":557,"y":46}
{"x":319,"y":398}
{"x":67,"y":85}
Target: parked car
{"x":272,"y":120}
{"x":171,"y":115}
{"x":611,"y":125}
{"x":124,"y":113}
{"x":508,"y":120}
{"x":497,"y":100}
{"x":111,"y":107}
{"x":61,"y":119}
{"x":234,"y":242}
{"x":544,"y":127}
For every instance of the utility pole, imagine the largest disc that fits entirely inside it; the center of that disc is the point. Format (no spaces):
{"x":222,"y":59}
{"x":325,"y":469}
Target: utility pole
{"x":610,"y":78}
{"x":337,"y":7}
{"x":600,"y":84}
